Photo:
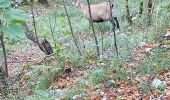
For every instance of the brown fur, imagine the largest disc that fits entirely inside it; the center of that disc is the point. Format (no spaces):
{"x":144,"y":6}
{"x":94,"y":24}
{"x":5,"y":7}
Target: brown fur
{"x":100,"y":12}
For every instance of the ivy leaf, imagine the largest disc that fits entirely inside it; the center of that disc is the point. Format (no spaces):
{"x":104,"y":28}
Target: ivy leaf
{"x":15,"y":15}
{"x":12,"y":30}
{"x":4,"y":3}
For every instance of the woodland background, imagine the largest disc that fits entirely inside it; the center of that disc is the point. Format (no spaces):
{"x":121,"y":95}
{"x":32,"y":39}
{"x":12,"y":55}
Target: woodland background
{"x":48,"y":51}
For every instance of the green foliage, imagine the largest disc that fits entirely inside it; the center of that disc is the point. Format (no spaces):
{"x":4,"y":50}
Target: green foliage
{"x":127,"y":41}
{"x":72,"y":92}
{"x":43,"y":76}
{"x":12,"y":30}
{"x":144,"y":86}
{"x":40,"y":67}
{"x":110,"y":83}
{"x":81,"y":82}
{"x":4,"y":3}
{"x":155,"y":63}
{"x":97,"y":77}
{"x":11,"y":19}
{"x":15,"y":15}
{"x":118,"y":71}
{"x":75,"y":60}
{"x":40,"y":95}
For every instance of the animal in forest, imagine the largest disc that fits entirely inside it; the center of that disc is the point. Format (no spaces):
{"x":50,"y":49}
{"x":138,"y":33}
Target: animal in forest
{"x":99,"y":12}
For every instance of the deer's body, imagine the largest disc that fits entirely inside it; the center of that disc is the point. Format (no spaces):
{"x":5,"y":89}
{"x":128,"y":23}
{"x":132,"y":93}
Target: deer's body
{"x":99,"y":12}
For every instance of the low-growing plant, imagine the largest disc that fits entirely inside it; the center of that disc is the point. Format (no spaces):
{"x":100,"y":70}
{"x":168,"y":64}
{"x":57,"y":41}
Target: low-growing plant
{"x":72,"y":92}
{"x":97,"y":76}
{"x":144,"y":86}
{"x":155,"y":63}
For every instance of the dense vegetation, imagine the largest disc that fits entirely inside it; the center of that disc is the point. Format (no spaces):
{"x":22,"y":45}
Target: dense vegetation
{"x":48,"y":51}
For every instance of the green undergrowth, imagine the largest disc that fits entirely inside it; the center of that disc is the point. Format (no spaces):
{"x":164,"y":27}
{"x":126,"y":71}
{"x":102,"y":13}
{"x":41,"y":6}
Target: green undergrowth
{"x":107,"y":69}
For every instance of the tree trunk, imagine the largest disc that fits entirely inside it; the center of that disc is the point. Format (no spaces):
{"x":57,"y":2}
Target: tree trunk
{"x":44,"y":45}
{"x":3,"y":73}
{"x":150,"y":7}
{"x":94,"y":33}
{"x":71,"y":29}
{"x":3,"y":83}
{"x":140,"y":8}
{"x":3,"y":49}
{"x":128,"y":17}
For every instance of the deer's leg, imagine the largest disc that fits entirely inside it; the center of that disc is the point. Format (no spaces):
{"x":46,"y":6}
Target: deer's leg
{"x":113,"y":25}
{"x":117,"y":23}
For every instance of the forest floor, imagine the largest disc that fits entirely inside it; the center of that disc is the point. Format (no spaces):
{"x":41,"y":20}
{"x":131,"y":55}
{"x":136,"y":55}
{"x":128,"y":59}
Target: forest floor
{"x":28,"y":54}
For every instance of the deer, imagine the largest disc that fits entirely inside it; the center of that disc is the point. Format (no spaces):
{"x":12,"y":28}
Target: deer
{"x":99,"y":12}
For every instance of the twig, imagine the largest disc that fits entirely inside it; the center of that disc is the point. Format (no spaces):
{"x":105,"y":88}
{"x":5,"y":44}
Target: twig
{"x":34,"y":23}
{"x":52,"y":32}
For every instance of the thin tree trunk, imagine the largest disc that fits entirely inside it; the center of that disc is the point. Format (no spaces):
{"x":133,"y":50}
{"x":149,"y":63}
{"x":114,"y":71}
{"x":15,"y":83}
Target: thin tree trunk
{"x":52,"y":28}
{"x":3,"y":49}
{"x":128,"y":17}
{"x":114,"y":27}
{"x":74,"y":38}
{"x":34,"y":22}
{"x":43,"y":44}
{"x":94,"y":34}
{"x":3,"y":83}
{"x":52,"y":32}
{"x":4,"y":53}
{"x":3,"y":74}
{"x":150,"y":7}
{"x":140,"y":8}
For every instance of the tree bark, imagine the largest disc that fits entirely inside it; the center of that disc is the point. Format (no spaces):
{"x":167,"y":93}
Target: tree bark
{"x":140,"y":8}
{"x":3,"y":49}
{"x":44,"y":45}
{"x":3,"y":83}
{"x":3,"y":73}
